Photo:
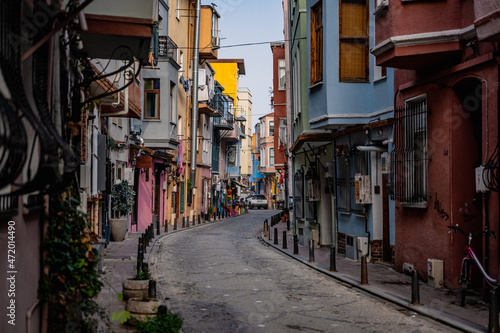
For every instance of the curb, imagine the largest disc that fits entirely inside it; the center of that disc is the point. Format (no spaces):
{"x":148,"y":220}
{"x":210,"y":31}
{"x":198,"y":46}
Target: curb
{"x":423,"y":310}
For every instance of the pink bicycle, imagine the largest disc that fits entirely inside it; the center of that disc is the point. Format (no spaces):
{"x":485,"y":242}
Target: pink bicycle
{"x":465,"y":273}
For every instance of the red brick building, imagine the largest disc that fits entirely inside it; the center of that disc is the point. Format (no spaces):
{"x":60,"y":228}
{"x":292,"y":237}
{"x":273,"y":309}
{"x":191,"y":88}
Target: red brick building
{"x":445,"y":55}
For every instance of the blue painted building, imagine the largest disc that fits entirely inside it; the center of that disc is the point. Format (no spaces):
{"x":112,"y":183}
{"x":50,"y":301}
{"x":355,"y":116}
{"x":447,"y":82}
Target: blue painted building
{"x":341,"y":160}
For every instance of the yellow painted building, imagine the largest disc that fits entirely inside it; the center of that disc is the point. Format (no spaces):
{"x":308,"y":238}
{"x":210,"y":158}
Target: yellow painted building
{"x":227,"y":73}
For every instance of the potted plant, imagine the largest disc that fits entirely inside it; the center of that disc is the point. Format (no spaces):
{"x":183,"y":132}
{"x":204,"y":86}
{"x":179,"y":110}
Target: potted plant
{"x":211,"y":210}
{"x":138,"y":285}
{"x":122,"y":198}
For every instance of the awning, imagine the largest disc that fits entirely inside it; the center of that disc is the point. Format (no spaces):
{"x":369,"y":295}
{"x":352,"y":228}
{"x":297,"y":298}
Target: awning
{"x":238,"y":183}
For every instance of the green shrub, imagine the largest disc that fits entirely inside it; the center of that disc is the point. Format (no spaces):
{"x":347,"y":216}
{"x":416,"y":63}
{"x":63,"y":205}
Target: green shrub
{"x":164,"y":323}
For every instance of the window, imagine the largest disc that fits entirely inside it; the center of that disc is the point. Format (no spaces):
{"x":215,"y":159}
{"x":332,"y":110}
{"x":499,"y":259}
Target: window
{"x":271,"y":127}
{"x":152,"y":99}
{"x":344,"y":183}
{"x":353,"y":29}
{"x":271,"y":156}
{"x":296,"y":84}
{"x":172,"y":102}
{"x":281,"y":74}
{"x":262,"y":157}
{"x":317,"y":43}
{"x":410,"y":153}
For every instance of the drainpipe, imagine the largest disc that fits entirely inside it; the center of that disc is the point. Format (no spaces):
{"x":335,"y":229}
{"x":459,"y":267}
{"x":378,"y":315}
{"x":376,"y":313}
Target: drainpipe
{"x":194,"y":125}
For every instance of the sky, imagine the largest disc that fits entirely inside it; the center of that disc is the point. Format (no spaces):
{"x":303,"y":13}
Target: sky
{"x":251,"y":21}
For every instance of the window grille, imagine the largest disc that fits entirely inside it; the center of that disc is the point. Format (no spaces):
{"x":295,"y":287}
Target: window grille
{"x":410,"y":153}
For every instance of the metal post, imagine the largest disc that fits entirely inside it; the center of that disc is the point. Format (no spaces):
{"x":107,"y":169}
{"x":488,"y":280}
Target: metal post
{"x":139,"y":255}
{"x":199,"y":219}
{"x":152,"y":289}
{"x":415,"y":292}
{"x":364,"y":271}
{"x":166,"y":225}
{"x":269,"y":233}
{"x":288,"y":224}
{"x":157,"y":225}
{"x":183,"y":222}
{"x":187,"y":222}
{"x":284,"y":240}
{"x":175,"y":223}
{"x":295,"y":244}
{"x":333,"y":259}
{"x":493,"y":326}
{"x":311,"y":250}
{"x":275,"y":235}
{"x":162,"y":310}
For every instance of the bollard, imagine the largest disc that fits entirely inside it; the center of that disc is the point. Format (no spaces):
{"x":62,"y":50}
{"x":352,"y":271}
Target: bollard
{"x":295,"y":244}
{"x":152,"y":289}
{"x":287,"y":224}
{"x":175,"y":223}
{"x":162,"y":310}
{"x":157,"y":225}
{"x":493,"y":325}
{"x":139,"y":255}
{"x":218,"y":215}
{"x":275,"y":235}
{"x":284,"y":240}
{"x":264,"y":228}
{"x":269,"y":233}
{"x":415,"y":292}
{"x":183,"y":222}
{"x":333,"y":259}
{"x":311,"y":250}
{"x":364,"y":271}
{"x":187,"y":222}
{"x":166,"y":226}
{"x":199,"y":219}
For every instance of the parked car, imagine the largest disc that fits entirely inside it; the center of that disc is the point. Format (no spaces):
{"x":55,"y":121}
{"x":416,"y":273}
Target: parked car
{"x":257,"y":201}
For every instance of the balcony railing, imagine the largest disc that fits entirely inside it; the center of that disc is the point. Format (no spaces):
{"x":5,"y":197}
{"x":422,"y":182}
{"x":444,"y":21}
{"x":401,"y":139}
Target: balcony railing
{"x":167,"y":48}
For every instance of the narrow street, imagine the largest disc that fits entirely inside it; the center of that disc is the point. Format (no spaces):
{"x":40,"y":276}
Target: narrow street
{"x":220,"y":277}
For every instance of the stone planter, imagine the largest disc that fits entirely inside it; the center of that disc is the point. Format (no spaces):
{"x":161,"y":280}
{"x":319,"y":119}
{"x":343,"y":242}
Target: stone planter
{"x":141,"y":308}
{"x":118,"y":228}
{"x":133,"y":288}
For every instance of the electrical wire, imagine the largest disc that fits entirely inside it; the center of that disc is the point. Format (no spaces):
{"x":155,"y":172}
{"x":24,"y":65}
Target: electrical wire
{"x":247,"y":44}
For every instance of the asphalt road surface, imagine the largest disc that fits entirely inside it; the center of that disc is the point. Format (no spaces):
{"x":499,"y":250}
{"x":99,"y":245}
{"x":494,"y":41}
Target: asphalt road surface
{"x":221,"y":278}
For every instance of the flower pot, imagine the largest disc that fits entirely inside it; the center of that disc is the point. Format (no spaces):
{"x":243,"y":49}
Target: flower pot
{"x":135,"y":288}
{"x":142,"y":308}
{"x":118,"y":228}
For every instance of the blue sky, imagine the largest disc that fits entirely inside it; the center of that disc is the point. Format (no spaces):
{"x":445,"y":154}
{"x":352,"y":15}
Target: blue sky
{"x":251,"y":21}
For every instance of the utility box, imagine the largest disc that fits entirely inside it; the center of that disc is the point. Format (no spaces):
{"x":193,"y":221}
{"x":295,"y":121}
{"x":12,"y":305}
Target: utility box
{"x":480,"y":181}
{"x":435,"y":273}
{"x":363,"y":247}
{"x":351,"y":247}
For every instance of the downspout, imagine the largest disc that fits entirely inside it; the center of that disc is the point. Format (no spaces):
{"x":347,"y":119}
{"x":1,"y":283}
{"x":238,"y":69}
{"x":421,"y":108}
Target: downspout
{"x":334,"y":193}
{"x":194,"y":125}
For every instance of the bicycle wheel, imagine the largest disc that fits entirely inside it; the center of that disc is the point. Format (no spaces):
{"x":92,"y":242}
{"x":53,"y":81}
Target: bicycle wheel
{"x":464,"y":280}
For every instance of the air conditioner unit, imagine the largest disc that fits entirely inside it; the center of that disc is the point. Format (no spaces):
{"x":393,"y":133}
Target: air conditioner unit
{"x":435,"y":273}
{"x":351,"y":247}
{"x":215,"y":42}
{"x":363,"y":189}
{"x":202,"y":77}
{"x":85,"y":176}
{"x":282,"y":122}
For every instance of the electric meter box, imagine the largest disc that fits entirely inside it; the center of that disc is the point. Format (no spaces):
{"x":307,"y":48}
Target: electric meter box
{"x":480,"y":182}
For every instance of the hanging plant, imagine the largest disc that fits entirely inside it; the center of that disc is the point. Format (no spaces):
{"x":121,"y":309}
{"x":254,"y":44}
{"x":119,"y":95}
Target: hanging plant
{"x":71,"y":281}
{"x":122,"y":198}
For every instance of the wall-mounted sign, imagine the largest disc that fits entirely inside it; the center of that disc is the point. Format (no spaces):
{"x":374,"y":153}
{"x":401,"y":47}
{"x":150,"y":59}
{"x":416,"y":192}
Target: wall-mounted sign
{"x":143,"y":161}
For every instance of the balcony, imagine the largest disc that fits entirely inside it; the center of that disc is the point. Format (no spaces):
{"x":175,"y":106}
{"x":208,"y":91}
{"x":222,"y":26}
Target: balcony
{"x":225,"y":123}
{"x":487,"y":20}
{"x":167,"y":48}
{"x":403,"y":41}
{"x":209,"y":40}
{"x":118,"y":29}
{"x":125,"y":104}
